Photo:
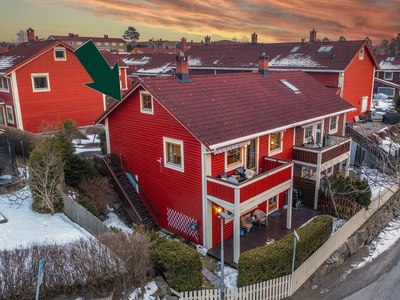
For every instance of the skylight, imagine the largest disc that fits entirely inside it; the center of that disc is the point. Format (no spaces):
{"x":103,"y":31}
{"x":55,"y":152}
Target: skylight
{"x":390,"y":59}
{"x":295,"y":49}
{"x":290,"y":86}
{"x":325,"y":49}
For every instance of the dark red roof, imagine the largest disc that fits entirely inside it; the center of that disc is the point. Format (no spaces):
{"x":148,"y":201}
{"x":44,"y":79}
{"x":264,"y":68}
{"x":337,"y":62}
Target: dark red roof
{"x":24,"y":52}
{"x":281,"y":56}
{"x":389,"y":62}
{"x":111,"y":59}
{"x":226,"y":107}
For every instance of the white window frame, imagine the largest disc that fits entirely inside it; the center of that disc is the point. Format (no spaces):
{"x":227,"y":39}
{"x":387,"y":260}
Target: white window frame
{"x":234,"y":165}
{"x":364,"y":103}
{"x":333,"y":130}
{"x":113,"y":44}
{"x":11,"y":121}
{"x":167,"y":164}
{"x":64,"y":58}
{"x":382,"y":87}
{"x":106,"y":44}
{"x":311,"y":171}
{"x":361,"y":54}
{"x":121,"y":44}
{"x":314,"y":132}
{"x":390,"y":77}
{"x":308,"y":139}
{"x":278,"y":150}
{"x":4,"y":79}
{"x":327,"y":173}
{"x":98,"y":43}
{"x":37,"y":75}
{"x":145,"y":110}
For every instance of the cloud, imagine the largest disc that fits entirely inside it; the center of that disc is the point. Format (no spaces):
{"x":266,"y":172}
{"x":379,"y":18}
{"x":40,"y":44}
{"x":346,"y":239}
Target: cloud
{"x":273,"y":20}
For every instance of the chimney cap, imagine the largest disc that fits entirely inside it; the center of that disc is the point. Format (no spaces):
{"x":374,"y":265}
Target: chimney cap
{"x":264,"y":54}
{"x":181,"y":54}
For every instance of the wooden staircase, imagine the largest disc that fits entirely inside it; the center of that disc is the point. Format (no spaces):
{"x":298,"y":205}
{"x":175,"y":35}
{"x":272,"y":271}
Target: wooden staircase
{"x":111,"y":166}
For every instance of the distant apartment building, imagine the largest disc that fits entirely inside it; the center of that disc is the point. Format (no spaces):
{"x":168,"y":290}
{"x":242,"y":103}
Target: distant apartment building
{"x":102,"y":43}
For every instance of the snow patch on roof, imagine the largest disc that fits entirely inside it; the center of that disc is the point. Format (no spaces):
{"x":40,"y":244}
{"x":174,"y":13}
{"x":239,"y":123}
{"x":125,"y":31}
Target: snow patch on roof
{"x":215,"y":62}
{"x":294,"y":60}
{"x":194,"y":62}
{"x":164,"y":69}
{"x":6,"y":62}
{"x":137,"y":62}
{"x":385,"y":65}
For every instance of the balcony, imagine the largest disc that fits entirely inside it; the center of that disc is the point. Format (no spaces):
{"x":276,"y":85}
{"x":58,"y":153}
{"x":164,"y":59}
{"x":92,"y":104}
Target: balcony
{"x":335,"y":148}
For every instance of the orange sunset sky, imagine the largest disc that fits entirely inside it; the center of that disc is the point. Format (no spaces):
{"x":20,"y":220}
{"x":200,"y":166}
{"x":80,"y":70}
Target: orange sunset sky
{"x":272,"y":20}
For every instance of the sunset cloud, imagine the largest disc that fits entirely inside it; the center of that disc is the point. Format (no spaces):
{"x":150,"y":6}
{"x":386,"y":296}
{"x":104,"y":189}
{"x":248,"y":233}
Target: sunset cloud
{"x":273,"y":20}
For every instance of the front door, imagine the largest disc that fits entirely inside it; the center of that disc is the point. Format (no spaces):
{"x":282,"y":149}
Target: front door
{"x":251,"y":155}
{"x":2,"y":116}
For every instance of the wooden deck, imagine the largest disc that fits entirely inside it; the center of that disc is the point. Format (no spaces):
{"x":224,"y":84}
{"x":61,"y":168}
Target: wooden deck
{"x":276,"y":229}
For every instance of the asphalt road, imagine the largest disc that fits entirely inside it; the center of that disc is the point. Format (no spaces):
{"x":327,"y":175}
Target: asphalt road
{"x":379,"y":279}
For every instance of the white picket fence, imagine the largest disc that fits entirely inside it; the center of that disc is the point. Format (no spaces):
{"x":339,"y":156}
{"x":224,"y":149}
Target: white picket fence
{"x":282,"y":287}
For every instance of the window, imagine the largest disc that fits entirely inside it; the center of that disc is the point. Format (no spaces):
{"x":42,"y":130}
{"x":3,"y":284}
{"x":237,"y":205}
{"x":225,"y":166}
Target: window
{"x":98,"y":43}
{"x":308,"y":133}
{"x":40,"y":82}
{"x":114,"y":44}
{"x":70,"y":42}
{"x":121,"y":44}
{"x":329,"y":171}
{"x":233,"y":156}
{"x":386,"y":90}
{"x":106,"y":43}
{"x":4,"y":84}
{"x":364,"y":103}
{"x":388,"y":76}
{"x":290,"y":86}
{"x":79,"y":43}
{"x":173,"y":154}
{"x":313,"y":135}
{"x":2,"y":117}
{"x":10,"y":114}
{"x":275,"y":142}
{"x":146,"y":103}
{"x":59,"y":54}
{"x":272,"y":203}
{"x":333,"y":127}
{"x":307,"y":172}
{"x":361,"y":54}
{"x":390,"y":58}
{"x":325,"y":49}
{"x":295,"y":48}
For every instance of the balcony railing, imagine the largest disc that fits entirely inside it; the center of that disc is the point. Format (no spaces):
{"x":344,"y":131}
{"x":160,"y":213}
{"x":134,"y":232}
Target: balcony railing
{"x":333,"y":147}
{"x":274,"y":173}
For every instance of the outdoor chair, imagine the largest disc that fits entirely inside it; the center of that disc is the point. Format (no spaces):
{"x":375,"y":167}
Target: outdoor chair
{"x":246,"y":225}
{"x":261,"y":217}
{"x":224,"y":176}
{"x":241,"y":172}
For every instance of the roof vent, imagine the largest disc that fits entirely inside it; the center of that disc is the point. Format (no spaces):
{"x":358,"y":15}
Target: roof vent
{"x":212,"y":56}
{"x":233,"y":56}
{"x":290,"y":86}
{"x":295,"y":48}
{"x":333,"y":56}
{"x":150,"y":64}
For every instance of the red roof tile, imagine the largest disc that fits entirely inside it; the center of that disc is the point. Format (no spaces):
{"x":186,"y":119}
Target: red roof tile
{"x":228,"y":107}
{"x":111,"y":59}
{"x":389,"y":62}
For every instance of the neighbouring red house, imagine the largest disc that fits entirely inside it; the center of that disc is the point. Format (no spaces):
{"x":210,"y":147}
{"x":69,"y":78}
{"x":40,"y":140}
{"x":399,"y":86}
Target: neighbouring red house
{"x":347,"y":67}
{"x":387,"y":80}
{"x":179,"y":135}
{"x":43,"y":82}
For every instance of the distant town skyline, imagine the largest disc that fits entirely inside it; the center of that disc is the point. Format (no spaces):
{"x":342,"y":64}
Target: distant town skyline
{"x":272,"y":20}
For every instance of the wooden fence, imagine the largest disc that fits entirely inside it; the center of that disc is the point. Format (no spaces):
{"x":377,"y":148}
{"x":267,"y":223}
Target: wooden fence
{"x":345,"y":207}
{"x":282,"y":287}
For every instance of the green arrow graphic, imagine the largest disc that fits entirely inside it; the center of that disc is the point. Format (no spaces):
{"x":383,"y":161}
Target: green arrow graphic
{"x":105,"y":79}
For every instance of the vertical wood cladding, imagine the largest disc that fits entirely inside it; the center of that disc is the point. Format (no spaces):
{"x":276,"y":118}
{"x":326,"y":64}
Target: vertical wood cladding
{"x":139,"y":138}
{"x":8,"y":100}
{"x":68,"y":98}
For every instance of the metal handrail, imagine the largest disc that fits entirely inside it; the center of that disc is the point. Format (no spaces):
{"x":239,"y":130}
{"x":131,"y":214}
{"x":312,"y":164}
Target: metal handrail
{"x":140,"y":187}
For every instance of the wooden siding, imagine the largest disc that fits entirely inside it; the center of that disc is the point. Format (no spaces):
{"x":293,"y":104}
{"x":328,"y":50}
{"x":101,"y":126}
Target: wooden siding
{"x":305,"y":156}
{"x":8,"y":100}
{"x":335,"y":152}
{"x":327,"y":79}
{"x":358,"y":81}
{"x":307,"y":187}
{"x":216,"y":228}
{"x":287,"y":153}
{"x":221,"y":191}
{"x":68,"y":98}
{"x":139,"y":138}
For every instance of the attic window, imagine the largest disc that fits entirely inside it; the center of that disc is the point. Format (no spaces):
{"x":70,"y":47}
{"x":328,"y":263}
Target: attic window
{"x":290,"y":86}
{"x":59,"y":53}
{"x":325,"y":48}
{"x":295,"y":49}
{"x":390,"y":59}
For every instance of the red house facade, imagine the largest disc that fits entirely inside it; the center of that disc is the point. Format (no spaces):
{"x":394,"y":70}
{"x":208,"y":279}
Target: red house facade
{"x":182,"y":135}
{"x":42,"y":82}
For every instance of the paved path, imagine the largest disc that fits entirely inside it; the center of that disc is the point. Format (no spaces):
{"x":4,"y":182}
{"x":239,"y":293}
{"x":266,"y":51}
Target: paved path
{"x":214,"y":279}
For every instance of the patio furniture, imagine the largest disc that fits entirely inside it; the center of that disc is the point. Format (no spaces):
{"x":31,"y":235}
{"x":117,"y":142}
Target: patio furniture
{"x":232,"y":179}
{"x":224,"y":176}
{"x":261,"y":217}
{"x":241,"y":172}
{"x":249,"y":173}
{"x":246,"y":224}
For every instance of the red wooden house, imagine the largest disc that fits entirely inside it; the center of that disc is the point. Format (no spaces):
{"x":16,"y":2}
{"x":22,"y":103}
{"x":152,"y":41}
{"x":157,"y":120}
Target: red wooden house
{"x":43,"y":82}
{"x":179,"y":134}
{"x":346,"y":67}
{"x":387,"y":80}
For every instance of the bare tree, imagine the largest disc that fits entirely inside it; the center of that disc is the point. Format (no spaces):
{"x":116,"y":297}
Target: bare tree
{"x":244,"y":39}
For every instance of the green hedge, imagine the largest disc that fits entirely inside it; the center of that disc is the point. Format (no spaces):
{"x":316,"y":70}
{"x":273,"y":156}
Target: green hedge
{"x":179,"y":263}
{"x":275,"y":260}
{"x":89,"y":205}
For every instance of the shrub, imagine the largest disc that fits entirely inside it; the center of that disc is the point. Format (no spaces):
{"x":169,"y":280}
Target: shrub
{"x":98,"y":189}
{"x":89,"y":205}
{"x":29,"y":140}
{"x":102,"y":138}
{"x":71,"y":131}
{"x":275,"y":260}
{"x":78,"y":169}
{"x":179,"y":263}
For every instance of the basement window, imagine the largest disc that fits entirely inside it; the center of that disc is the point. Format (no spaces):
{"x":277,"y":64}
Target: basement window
{"x":290,"y":86}
{"x":295,"y":49}
{"x":325,"y":49}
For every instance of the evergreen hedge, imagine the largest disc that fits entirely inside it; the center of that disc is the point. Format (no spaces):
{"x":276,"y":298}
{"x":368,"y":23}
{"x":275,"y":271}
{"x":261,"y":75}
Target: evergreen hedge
{"x":275,"y":260}
{"x":179,"y":263}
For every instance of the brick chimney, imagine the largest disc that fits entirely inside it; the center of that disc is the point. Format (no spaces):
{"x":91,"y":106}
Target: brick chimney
{"x":182,"y":68}
{"x":254,"y":38}
{"x":313,"y":36}
{"x":31,"y":35}
{"x":4,"y":47}
{"x":263,"y":65}
{"x":183,"y":44}
{"x":207,"y":40}
{"x":106,"y":36}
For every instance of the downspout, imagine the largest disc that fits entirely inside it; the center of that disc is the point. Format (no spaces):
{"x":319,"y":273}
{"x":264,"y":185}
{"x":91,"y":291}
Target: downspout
{"x":206,"y":238}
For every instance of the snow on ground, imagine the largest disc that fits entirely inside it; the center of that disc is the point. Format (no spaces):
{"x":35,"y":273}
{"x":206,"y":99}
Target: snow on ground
{"x":230,"y":277}
{"x":384,"y":241}
{"x":114,"y":221}
{"x":150,"y":289}
{"x":25,"y":225}
{"x":80,"y":144}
